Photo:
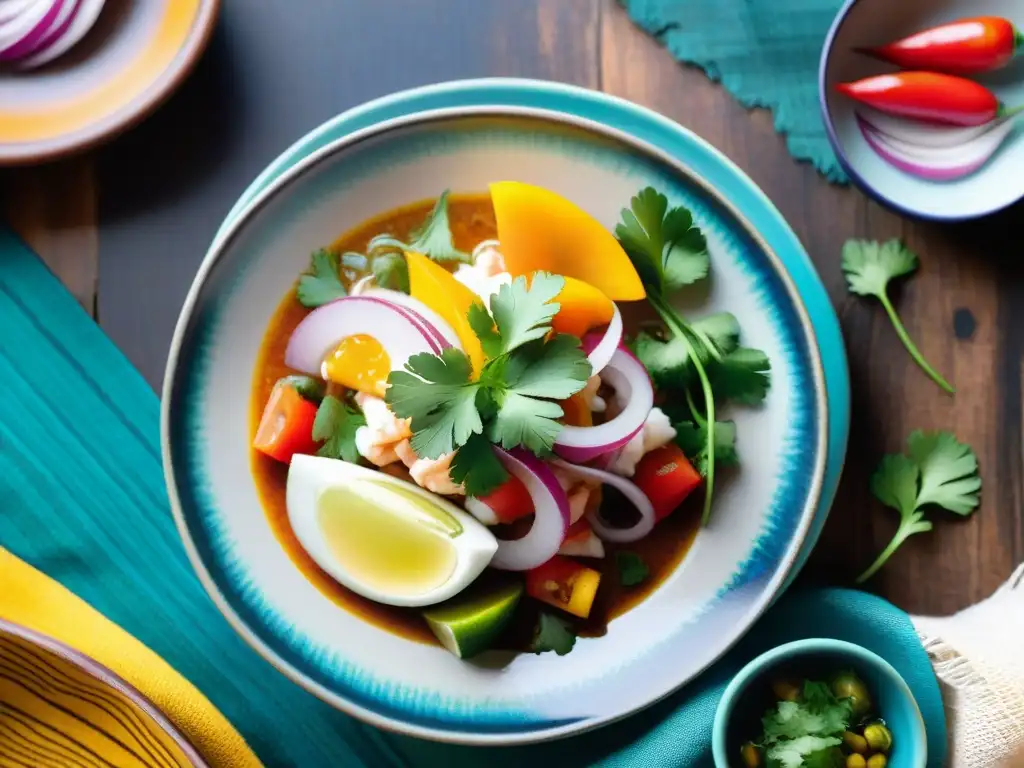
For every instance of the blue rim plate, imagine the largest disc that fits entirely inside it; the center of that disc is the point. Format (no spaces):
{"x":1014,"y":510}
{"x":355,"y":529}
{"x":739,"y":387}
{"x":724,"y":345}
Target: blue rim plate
{"x":416,"y":128}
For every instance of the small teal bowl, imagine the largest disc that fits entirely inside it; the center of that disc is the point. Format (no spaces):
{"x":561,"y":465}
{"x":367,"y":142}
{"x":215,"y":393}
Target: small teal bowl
{"x":739,"y":712}
{"x":867,"y":23}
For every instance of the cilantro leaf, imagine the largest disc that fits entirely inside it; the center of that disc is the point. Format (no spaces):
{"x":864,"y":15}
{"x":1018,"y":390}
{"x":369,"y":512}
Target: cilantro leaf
{"x":311,"y":389}
{"x":686,"y":260}
{"x":829,"y":757}
{"x":666,"y":249}
{"x":949,"y":471}
{"x":940,"y":471}
{"x":869,"y":267}
{"x":477,"y":467}
{"x":632,"y":569}
{"x":434,"y":237}
{"x":556,"y":368}
{"x":322,"y":282}
{"x":793,"y":753}
{"x":523,"y":313}
{"x":390,"y":271}
{"x":692,"y":437}
{"x":720,"y":327}
{"x":741,"y":375}
{"x":666,"y":360}
{"x":552,"y":634}
{"x":525,"y":421}
{"x":482,"y":323}
{"x":437,"y":393}
{"x":335,"y":424}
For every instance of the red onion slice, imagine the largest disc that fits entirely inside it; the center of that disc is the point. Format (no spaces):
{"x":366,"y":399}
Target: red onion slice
{"x":635,"y":496}
{"x":935,"y":163}
{"x":550,"y":516}
{"x":21,"y":35}
{"x":444,"y":331}
{"x":11,"y":9}
{"x":59,"y":26}
{"x":600,"y":347}
{"x":84,"y":18}
{"x":399,"y":333}
{"x":628,"y":377}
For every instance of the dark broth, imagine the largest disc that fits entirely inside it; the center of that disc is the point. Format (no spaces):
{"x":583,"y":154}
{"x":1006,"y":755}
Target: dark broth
{"x":472,"y":220}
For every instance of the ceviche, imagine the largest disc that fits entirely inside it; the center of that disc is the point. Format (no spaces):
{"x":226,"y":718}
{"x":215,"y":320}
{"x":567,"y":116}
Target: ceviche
{"x":479,"y":421}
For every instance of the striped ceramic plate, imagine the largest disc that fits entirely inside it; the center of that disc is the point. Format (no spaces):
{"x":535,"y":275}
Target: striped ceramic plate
{"x":132,"y":57}
{"x":59,"y":708}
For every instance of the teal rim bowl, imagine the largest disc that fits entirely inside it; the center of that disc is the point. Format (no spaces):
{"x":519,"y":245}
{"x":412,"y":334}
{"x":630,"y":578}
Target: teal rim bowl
{"x":739,"y":712}
{"x":865,"y":23}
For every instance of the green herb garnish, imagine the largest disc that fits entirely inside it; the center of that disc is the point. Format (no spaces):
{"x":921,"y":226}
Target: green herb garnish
{"x":390,"y":271}
{"x":692,"y":437}
{"x":433,"y":238}
{"x":869,"y":266}
{"x":511,"y":404}
{"x":552,"y":634}
{"x":701,"y":359}
{"x":806,"y":733}
{"x":322,"y":282}
{"x":309,"y":388}
{"x":938,"y":470}
{"x":632,"y":569}
{"x":335,"y":424}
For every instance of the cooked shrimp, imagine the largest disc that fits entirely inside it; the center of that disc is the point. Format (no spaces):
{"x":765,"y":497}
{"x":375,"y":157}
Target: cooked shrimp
{"x":383,"y":431}
{"x":431,"y":474}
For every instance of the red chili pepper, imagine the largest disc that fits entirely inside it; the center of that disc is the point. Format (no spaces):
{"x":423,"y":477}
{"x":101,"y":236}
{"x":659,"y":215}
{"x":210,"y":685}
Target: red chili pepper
{"x":963,"y":47}
{"x":927,"y":96}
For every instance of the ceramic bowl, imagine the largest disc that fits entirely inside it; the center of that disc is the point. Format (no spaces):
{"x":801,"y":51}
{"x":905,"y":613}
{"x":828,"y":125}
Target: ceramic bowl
{"x":766,"y":516}
{"x":738,"y":717}
{"x":867,"y":23}
{"x":60,"y":707}
{"x":130,"y":57}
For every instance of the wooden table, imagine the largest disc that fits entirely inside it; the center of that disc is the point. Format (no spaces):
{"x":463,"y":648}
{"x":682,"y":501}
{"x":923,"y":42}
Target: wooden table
{"x":125,"y":228}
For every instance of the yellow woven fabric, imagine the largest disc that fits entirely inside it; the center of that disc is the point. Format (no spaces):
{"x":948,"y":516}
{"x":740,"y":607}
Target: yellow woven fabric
{"x":33,"y":600}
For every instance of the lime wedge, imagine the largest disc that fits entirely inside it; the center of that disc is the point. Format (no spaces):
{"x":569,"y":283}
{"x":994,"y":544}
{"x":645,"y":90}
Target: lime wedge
{"x":471,"y":621}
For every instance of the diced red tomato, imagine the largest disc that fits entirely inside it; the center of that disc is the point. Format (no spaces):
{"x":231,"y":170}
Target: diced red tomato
{"x":581,"y":541}
{"x":509,"y":503}
{"x":286,"y":427}
{"x":666,"y":477}
{"x":565,"y":584}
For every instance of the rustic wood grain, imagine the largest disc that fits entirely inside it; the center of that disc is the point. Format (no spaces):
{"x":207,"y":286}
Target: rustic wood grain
{"x":167,"y":184}
{"x":53,"y":208}
{"x":961,"y":561}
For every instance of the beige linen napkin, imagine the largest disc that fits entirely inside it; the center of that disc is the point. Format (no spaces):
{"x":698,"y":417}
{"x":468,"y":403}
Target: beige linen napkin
{"x":978,"y":656}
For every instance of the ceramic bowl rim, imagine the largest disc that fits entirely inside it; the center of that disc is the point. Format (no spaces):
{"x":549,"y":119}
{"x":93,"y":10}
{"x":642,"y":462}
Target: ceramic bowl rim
{"x":112,"y":124}
{"x":756,"y":666}
{"x":833,"y":138}
{"x":224,"y":240}
{"x":108,"y":677}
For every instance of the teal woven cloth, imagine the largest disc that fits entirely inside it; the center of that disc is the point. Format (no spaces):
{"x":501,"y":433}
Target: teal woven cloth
{"x":83,"y":500}
{"x":765,"y":52}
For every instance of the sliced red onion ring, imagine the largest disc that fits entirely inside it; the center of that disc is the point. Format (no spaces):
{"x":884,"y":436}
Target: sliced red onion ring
{"x":550,"y":517}
{"x":60,"y":24}
{"x":445,"y":333}
{"x":10,"y":9}
{"x":399,"y":333}
{"x":635,"y":496}
{"x":84,"y":18}
{"x":600,"y":347}
{"x":935,"y":163}
{"x":21,"y":35}
{"x":633,"y":388}
{"x":925,"y":134}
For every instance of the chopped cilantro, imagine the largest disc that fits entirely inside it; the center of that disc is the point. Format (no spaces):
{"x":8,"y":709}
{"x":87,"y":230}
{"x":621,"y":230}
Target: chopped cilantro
{"x":806,"y":752}
{"x":322,"y":282}
{"x":937,"y":470}
{"x":433,"y":238}
{"x":869,"y":267}
{"x":311,"y":389}
{"x":692,"y":437}
{"x":552,"y":634}
{"x":335,"y":424}
{"x":632,"y":569}
{"x":512,"y":403}
{"x":806,"y":733}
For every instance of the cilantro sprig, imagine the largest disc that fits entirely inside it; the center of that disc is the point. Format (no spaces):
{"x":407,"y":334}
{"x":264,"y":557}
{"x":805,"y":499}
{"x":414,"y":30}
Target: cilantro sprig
{"x":335,"y":424}
{"x":937,"y":470}
{"x":806,"y":733}
{"x":552,"y":634}
{"x":702,"y":359}
{"x":869,"y":268}
{"x":433,"y":238}
{"x":511,"y":403}
{"x":322,"y":282}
